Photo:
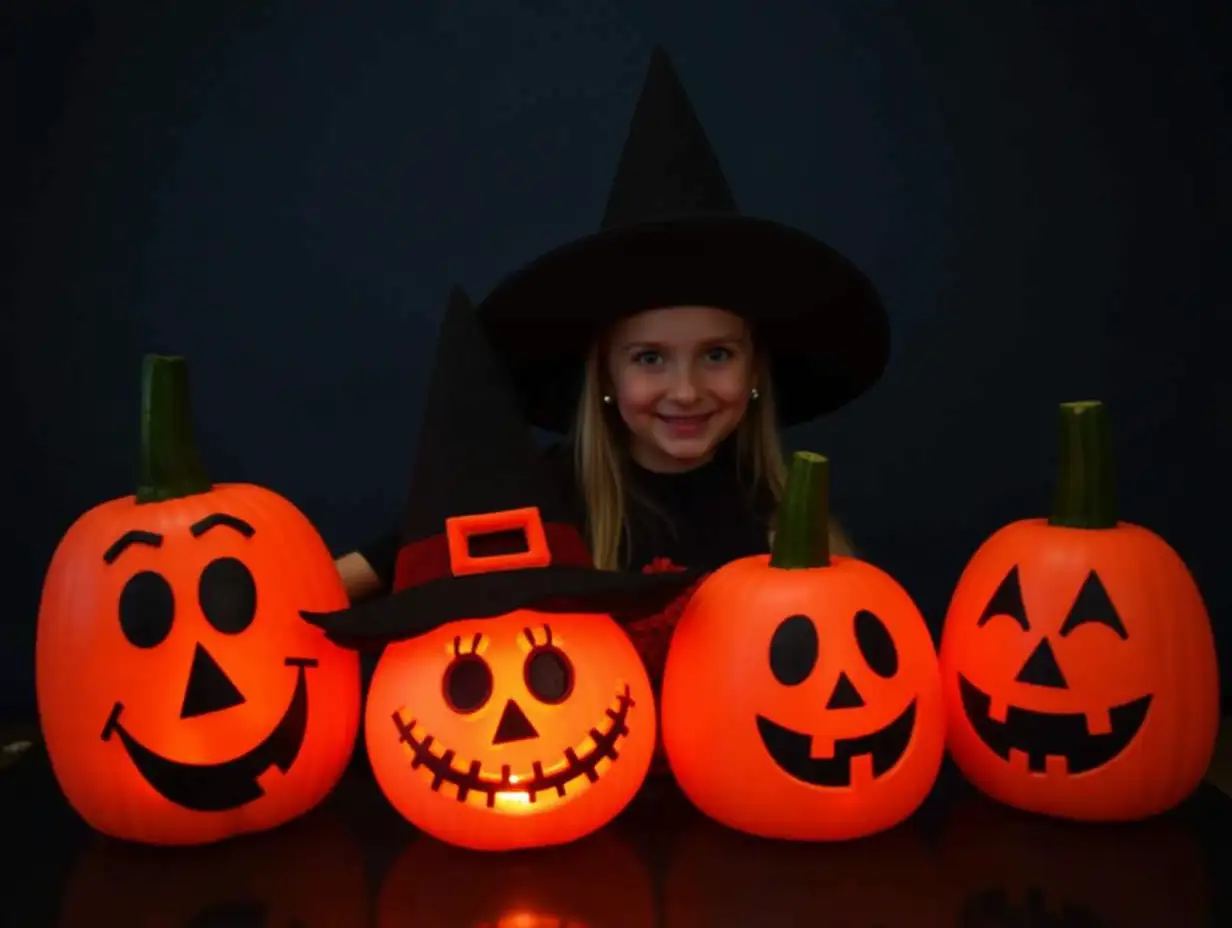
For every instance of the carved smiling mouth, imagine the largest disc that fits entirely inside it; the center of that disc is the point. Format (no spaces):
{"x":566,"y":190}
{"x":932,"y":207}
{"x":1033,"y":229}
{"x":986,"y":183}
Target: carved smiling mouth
{"x":1041,"y":735}
{"x":232,"y":783}
{"x":475,"y":780}
{"x":790,"y":750}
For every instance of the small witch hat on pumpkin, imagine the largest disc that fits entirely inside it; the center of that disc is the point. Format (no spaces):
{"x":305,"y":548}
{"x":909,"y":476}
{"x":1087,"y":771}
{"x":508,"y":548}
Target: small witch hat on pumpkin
{"x":672,"y":235}
{"x":486,"y":530}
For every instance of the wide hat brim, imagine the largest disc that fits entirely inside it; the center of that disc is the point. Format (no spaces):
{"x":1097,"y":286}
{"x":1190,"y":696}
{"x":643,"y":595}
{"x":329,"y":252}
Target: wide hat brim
{"x":411,"y":612}
{"x":817,"y":314}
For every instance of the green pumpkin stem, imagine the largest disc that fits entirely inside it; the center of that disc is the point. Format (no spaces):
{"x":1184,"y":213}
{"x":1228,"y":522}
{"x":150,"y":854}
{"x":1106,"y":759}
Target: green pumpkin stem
{"x":802,"y":524}
{"x":170,"y":466}
{"x":1085,"y":494}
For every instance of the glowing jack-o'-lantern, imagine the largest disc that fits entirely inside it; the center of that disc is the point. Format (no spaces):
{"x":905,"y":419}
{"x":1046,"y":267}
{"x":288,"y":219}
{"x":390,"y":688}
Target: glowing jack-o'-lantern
{"x":1077,"y":656}
{"x":598,"y":882}
{"x":181,"y":697}
{"x":309,"y":874}
{"x":509,"y":709}
{"x":801,"y":696}
{"x":528,"y":729}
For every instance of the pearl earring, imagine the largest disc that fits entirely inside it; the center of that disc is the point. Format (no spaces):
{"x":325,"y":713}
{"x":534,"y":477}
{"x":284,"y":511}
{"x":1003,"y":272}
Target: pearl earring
{"x":753,"y":394}
{"x":607,"y":399}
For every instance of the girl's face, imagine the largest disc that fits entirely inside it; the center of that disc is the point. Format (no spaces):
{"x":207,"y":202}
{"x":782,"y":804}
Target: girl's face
{"x":681,"y":378}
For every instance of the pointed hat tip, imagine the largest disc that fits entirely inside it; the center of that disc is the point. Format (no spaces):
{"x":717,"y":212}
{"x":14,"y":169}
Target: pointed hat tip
{"x":458,"y":298}
{"x":660,"y":61}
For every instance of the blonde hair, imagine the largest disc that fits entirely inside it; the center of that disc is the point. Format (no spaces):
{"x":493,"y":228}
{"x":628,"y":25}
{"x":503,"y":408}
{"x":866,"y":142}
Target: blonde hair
{"x":599,"y":457}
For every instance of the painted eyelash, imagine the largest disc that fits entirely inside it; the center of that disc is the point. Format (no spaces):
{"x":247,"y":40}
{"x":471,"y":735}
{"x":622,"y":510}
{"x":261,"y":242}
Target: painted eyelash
{"x":474,"y":645}
{"x":547,"y":636}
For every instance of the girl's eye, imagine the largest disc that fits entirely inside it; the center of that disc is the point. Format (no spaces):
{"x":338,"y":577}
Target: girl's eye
{"x":718,"y":355}
{"x":648,"y":358}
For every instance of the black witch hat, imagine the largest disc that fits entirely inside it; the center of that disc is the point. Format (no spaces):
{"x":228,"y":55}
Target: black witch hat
{"x":486,"y":529}
{"x":671,"y":235}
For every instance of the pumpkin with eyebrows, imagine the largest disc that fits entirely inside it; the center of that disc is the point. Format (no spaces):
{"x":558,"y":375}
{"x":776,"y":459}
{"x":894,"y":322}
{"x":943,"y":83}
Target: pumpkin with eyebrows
{"x":1077,"y":657}
{"x":181,"y":697}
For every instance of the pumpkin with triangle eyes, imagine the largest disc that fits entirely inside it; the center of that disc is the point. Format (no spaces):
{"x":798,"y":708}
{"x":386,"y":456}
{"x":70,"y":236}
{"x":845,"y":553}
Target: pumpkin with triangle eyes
{"x":181,"y":697}
{"x":1077,"y":656}
{"x":801,"y":697}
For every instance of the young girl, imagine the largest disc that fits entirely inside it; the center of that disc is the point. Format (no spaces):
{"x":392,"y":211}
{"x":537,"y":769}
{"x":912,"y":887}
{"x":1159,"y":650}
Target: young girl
{"x":694,"y":332}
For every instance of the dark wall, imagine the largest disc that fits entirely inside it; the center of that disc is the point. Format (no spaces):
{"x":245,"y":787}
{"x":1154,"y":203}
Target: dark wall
{"x":286,"y":196}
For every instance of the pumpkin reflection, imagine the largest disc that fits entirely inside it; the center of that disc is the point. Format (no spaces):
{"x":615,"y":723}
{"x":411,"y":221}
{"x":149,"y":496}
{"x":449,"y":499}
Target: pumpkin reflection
{"x":719,"y":877}
{"x":1007,"y":868}
{"x":309,"y":874}
{"x":598,"y":882}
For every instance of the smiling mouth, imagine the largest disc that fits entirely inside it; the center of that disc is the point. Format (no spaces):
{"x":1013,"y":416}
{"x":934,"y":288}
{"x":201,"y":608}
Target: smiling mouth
{"x":518,"y":788}
{"x":791,"y":750}
{"x":232,"y":783}
{"x":686,"y":422}
{"x":1041,"y":735}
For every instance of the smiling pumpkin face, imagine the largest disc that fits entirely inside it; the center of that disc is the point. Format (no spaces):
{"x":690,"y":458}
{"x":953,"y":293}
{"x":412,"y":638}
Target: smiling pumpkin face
{"x":181,"y":697}
{"x":525,"y":730}
{"x":803,"y":704}
{"x":801,"y":697}
{"x":1079,"y":672}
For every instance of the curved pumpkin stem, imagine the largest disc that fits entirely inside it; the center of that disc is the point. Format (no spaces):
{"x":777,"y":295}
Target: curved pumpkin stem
{"x":1085,"y":495}
{"x":802,"y":526}
{"x":170,"y":466}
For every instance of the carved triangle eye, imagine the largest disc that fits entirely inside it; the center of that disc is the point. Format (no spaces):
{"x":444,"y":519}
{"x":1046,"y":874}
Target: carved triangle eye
{"x":1093,"y":605}
{"x":1007,"y":601}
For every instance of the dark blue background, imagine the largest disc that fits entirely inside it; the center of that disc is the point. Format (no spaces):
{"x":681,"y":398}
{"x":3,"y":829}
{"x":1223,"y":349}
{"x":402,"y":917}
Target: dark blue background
{"x":286,"y":196}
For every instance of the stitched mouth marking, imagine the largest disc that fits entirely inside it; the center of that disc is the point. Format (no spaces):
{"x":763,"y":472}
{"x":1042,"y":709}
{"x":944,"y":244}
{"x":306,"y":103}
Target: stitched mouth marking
{"x":475,"y":780}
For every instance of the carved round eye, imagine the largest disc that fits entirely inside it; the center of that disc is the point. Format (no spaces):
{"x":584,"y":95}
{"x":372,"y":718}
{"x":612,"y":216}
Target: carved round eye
{"x":794,"y":650}
{"x":467,"y":684}
{"x":876,"y":644}
{"x":147,"y":609}
{"x":548,"y":674}
{"x":228,"y":595}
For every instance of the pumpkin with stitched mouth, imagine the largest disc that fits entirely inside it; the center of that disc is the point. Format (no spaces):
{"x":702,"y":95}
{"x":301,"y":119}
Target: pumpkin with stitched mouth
{"x":1077,"y":655}
{"x":181,"y":697}
{"x":521,"y":730}
{"x":801,"y":698}
{"x":508,"y":709}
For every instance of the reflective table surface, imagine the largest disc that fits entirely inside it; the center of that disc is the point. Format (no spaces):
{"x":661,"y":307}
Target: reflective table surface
{"x":353,"y":863}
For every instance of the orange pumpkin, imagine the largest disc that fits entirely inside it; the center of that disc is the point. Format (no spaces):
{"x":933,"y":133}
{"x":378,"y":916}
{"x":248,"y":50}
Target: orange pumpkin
{"x":801,"y":696}
{"x":596,"y":883}
{"x":999,"y":866}
{"x":1077,"y":656}
{"x":182,"y":699}
{"x":309,"y":874}
{"x":524,"y":730}
{"x":720,"y":877}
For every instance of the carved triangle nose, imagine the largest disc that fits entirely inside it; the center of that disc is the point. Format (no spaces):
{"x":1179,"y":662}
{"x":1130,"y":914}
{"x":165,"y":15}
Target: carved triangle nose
{"x":845,"y":695}
{"x":209,"y":688}
{"x":514,"y":725}
{"x":1042,"y":669}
